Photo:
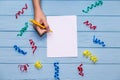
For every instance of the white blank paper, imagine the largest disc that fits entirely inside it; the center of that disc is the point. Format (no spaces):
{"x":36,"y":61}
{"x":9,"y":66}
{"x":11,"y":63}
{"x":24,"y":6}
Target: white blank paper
{"x":62,"y":42}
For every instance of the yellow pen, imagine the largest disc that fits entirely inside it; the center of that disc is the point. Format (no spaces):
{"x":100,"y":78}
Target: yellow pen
{"x":36,"y":23}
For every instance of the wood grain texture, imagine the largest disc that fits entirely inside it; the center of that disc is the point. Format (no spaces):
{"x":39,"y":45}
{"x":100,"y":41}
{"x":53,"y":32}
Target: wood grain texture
{"x":105,"y":17}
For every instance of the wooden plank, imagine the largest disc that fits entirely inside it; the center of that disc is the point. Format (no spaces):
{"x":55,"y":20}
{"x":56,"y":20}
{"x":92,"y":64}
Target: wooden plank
{"x":102,"y":23}
{"x":9,"y":55}
{"x":58,"y":8}
{"x":66,"y":72}
{"x":111,"y":39}
{"x":85,"y":39}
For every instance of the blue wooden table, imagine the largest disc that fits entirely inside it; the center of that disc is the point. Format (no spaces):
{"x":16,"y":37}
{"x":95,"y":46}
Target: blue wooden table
{"x":105,"y":17}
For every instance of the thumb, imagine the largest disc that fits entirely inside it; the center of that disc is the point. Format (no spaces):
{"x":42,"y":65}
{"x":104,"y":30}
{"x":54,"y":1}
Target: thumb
{"x":46,"y":25}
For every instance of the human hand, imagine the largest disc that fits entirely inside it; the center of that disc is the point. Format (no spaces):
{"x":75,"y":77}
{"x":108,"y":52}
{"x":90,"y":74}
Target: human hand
{"x":41,"y":18}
